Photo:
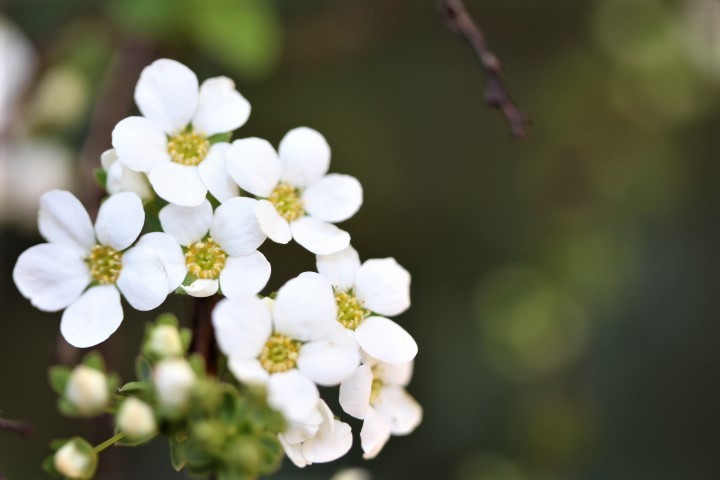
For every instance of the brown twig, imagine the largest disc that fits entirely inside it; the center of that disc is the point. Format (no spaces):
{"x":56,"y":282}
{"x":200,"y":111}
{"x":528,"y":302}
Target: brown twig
{"x":496,"y":95}
{"x":203,"y":341}
{"x":16,"y":426}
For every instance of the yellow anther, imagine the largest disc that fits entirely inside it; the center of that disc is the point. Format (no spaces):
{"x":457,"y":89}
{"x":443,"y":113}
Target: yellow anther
{"x":279,"y":354}
{"x":205,"y":259}
{"x":286,"y":200}
{"x":188,"y":148}
{"x":105,"y":264}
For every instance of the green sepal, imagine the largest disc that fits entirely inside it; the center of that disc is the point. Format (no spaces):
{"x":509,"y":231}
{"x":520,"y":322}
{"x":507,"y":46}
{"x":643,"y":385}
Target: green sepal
{"x":58,"y":376}
{"x":57,"y":443}
{"x":228,"y":474}
{"x":178,"y":451}
{"x":197,"y":363}
{"x":185,"y":338}
{"x":167,"y":319}
{"x":113,"y":380}
{"x":133,"y":387}
{"x":48,"y":464}
{"x":94,"y":360}
{"x":219,"y":137}
{"x":143,"y":370}
{"x":101,"y":177}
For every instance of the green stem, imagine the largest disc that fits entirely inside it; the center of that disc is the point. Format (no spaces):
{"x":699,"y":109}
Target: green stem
{"x":109,"y":442}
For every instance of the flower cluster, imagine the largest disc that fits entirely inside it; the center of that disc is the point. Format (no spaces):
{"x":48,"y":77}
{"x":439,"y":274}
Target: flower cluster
{"x":210,"y":205}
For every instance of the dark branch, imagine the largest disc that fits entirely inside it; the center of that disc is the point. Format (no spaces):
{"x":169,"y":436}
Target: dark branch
{"x":16,"y":426}
{"x":496,"y":95}
{"x":203,"y":341}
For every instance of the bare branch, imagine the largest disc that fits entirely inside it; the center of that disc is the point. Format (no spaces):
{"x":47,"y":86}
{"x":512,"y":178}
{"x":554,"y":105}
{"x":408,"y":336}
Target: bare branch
{"x":16,"y":426}
{"x":496,"y":95}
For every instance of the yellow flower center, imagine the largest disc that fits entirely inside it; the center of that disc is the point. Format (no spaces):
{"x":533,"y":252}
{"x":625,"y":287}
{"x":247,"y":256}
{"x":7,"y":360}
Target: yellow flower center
{"x":105,"y":264}
{"x":188,"y":148}
{"x":286,"y":200}
{"x":350,"y":310}
{"x":279,"y":354}
{"x":205,"y":259}
{"x":377,"y":385}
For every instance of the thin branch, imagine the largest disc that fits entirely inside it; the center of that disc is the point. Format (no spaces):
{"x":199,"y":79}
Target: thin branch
{"x":16,"y":426}
{"x":203,"y":341}
{"x":496,"y":95}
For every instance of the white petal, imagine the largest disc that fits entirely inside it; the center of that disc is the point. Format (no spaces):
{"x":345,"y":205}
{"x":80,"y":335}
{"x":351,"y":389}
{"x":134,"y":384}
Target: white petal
{"x":254,"y":165}
{"x":334,"y":198}
{"x":178,"y":184}
{"x":321,"y":238}
{"x":305,"y":155}
{"x":63,"y":219}
{"x":213,"y":171}
{"x":120,"y":220}
{"x":297,"y":432}
{"x":235,"y":228}
{"x":201,"y":288}
{"x":399,"y":374}
{"x":271,"y":223}
{"x":385,"y":340}
{"x":220,"y":108}
{"x":248,"y":370}
{"x":93,"y":317}
{"x":340,"y":268}
{"x":140,"y":144}
{"x":108,"y":158}
{"x":167,"y":92}
{"x":374,"y":434}
{"x":293,"y":451}
{"x":187,"y":224}
{"x":121,"y":179}
{"x":51,"y":275}
{"x":305,"y":307}
{"x":242,"y":326}
{"x":247,"y":274}
{"x":143,"y":281}
{"x":332,"y":442}
{"x":328,"y":362}
{"x":401,"y":412}
{"x":170,"y":253}
{"x":293,"y":394}
{"x":384,"y":286}
{"x":355,"y":392}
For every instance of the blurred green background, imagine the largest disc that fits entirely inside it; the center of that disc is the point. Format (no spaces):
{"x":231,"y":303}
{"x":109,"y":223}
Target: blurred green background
{"x":565,"y":289}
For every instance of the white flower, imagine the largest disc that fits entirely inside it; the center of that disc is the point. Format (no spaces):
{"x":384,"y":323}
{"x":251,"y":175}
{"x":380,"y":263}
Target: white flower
{"x":18,"y":61}
{"x":122,"y":179}
{"x":298,"y":199}
{"x":378,"y":286}
{"x":354,"y":473}
{"x":165,"y":341}
{"x":174,"y":379}
{"x":320,"y":439}
{"x":136,"y":419}
{"x":170,"y":142}
{"x":228,"y":259}
{"x":376,"y":394}
{"x":87,"y":390}
{"x":289,"y":347}
{"x":56,"y":275}
{"x":76,"y":460}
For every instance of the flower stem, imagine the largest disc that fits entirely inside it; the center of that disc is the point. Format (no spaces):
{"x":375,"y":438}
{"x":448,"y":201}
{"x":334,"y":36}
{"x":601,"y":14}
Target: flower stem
{"x":109,"y":442}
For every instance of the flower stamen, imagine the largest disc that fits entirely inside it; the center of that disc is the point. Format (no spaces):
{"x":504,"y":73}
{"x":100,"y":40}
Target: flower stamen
{"x":350,"y":310}
{"x":286,"y":200}
{"x":279,"y":354}
{"x":205,"y":259}
{"x":105,"y":264}
{"x":188,"y":148}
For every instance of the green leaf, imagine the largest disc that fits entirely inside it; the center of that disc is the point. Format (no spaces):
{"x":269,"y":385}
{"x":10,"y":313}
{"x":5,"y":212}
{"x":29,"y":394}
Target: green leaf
{"x":133,"y":387}
{"x":58,"y":376}
{"x":178,"y":451}
{"x":143,"y":369}
{"x":101,"y":177}
{"x":94,"y":360}
{"x":220,"y":137}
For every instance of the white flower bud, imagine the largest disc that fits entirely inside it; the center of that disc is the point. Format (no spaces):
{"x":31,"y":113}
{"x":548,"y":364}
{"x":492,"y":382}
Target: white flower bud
{"x":72,"y":462}
{"x":136,"y":419}
{"x":165,"y":341}
{"x":174,"y":378}
{"x":352,"y":474}
{"x":87,"y":390}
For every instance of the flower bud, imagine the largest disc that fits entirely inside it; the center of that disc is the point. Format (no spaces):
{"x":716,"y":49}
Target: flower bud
{"x":174,"y":378}
{"x":76,"y":459}
{"x":136,"y":419}
{"x":87,"y":390}
{"x":165,"y":341}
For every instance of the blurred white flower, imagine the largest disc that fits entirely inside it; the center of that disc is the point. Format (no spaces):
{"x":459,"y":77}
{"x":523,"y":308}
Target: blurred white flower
{"x":170,"y":142}
{"x":378,"y":286}
{"x":61,"y":98}
{"x":73,"y":460}
{"x":174,"y":379}
{"x":56,"y":275}
{"x":18,"y":61}
{"x":298,"y":198}
{"x":354,"y":473}
{"x":320,"y":439}
{"x":376,"y":394}
{"x":87,"y":390}
{"x":290,"y":347}
{"x":165,"y":341}
{"x":136,"y":419}
{"x":228,"y":259}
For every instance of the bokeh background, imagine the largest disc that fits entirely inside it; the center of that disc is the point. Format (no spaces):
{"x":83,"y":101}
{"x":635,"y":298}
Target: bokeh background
{"x":565,"y":289}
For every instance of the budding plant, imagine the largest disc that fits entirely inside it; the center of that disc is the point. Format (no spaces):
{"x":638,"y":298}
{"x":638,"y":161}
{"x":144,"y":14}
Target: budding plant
{"x":186,"y":212}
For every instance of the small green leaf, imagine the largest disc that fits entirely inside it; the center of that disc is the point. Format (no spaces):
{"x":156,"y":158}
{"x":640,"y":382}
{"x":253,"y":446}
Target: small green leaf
{"x":220,"y":137}
{"x":178,"y":451}
{"x":143,"y":369}
{"x":101,"y":177}
{"x":133,"y":387}
{"x":49,"y":466}
{"x":185,"y":338}
{"x":94,"y":360}
{"x":59,"y":376}
{"x":198,"y":364}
